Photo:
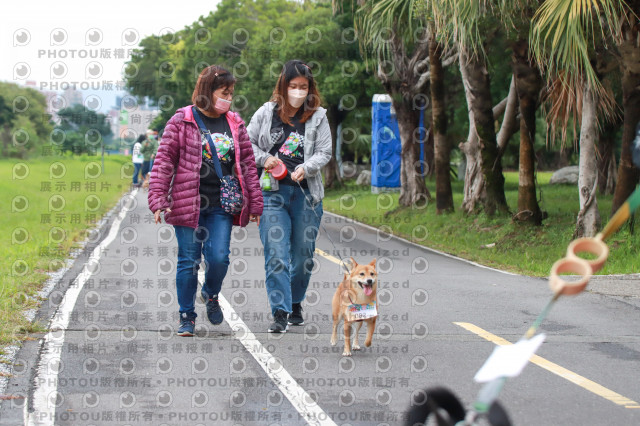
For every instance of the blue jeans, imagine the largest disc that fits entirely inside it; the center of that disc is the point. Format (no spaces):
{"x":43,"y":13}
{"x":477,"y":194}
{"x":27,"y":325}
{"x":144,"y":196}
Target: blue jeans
{"x":145,"y":168}
{"x":211,"y":238}
{"x":136,"y":172}
{"x":288,"y":230}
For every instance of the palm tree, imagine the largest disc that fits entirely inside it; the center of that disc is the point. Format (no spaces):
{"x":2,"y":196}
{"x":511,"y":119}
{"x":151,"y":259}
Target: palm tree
{"x":528,"y":82}
{"x":396,"y":41}
{"x":459,"y":23}
{"x":630,"y":67}
{"x":561,"y":33}
{"x":516,"y":16}
{"x":442,"y":154}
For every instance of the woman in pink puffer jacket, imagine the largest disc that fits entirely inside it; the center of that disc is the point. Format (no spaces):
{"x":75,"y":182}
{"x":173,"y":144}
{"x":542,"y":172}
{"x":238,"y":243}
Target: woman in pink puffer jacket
{"x":185,"y":186}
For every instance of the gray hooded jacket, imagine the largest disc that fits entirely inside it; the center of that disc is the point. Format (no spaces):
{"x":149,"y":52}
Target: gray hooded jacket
{"x":317,"y":146}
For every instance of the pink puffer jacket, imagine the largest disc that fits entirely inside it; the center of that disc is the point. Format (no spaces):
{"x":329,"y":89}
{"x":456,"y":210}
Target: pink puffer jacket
{"x":175,"y":177}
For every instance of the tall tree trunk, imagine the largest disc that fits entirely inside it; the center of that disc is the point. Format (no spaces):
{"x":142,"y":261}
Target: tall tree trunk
{"x":510,"y":124}
{"x":630,"y":65}
{"x":442,"y":150}
{"x":474,"y":187}
{"x":528,"y":84}
{"x":406,"y":79}
{"x":331,"y":173}
{"x":588,"y":221}
{"x":412,"y":187}
{"x":606,"y":159}
{"x":627,"y":172}
{"x":476,"y":76}
{"x":429,"y":146}
{"x":474,"y":184}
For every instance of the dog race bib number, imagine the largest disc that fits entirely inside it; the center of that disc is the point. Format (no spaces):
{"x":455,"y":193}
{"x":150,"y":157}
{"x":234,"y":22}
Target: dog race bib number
{"x":356,"y":312}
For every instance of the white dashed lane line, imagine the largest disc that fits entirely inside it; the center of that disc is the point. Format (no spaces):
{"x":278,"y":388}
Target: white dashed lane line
{"x":299,"y":398}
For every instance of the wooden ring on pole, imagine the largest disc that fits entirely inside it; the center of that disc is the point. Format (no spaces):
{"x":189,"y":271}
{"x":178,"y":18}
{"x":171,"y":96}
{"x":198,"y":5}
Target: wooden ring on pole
{"x":569,"y":264}
{"x":594,"y":246}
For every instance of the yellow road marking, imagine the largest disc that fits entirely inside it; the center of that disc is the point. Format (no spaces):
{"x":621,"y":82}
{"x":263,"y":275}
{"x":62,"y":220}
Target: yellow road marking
{"x":328,"y":256}
{"x":556,"y":369}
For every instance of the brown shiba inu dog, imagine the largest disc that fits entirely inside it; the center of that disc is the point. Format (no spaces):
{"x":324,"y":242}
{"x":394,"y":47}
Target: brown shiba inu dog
{"x":355,"y":301}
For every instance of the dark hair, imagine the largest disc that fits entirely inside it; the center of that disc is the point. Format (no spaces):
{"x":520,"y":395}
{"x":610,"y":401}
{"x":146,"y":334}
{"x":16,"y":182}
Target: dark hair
{"x":210,"y":79}
{"x":142,"y":138}
{"x":292,"y":69}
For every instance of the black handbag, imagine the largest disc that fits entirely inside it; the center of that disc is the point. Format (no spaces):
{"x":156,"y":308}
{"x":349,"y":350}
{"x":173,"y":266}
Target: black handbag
{"x":231,"y":198}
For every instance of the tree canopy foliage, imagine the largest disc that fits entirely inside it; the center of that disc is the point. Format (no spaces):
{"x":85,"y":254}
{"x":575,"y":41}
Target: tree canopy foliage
{"x":24,"y":122}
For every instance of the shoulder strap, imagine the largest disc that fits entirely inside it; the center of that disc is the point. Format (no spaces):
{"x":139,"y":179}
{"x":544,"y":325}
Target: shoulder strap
{"x":214,"y":152}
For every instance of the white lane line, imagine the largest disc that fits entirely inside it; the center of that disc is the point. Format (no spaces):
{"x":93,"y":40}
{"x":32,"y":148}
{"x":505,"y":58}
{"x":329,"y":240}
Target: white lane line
{"x":299,"y":398}
{"x":45,"y":394}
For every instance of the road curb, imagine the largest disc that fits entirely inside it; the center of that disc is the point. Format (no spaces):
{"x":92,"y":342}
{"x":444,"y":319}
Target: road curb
{"x":404,"y":240}
{"x":625,"y":285}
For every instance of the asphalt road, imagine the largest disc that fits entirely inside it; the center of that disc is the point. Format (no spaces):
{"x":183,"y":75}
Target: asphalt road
{"x":112,"y":356}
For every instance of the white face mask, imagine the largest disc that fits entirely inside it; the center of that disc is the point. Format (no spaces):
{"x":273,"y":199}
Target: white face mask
{"x":297,"y":97}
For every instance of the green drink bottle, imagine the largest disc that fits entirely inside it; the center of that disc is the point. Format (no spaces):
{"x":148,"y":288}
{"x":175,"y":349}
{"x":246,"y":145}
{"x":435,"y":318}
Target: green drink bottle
{"x":266,"y":181}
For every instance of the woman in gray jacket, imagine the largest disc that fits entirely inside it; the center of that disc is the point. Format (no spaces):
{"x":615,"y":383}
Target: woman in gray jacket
{"x":293,"y":129}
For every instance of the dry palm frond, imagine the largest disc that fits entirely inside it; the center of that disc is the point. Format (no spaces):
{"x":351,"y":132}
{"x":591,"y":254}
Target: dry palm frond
{"x":377,"y":23}
{"x":562,"y":32}
{"x":564,"y":105}
{"x":563,"y":98}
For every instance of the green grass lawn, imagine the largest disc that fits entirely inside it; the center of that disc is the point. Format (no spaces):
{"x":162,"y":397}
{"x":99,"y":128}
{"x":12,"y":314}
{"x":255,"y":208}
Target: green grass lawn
{"x":49,"y":211}
{"x":518,"y":248}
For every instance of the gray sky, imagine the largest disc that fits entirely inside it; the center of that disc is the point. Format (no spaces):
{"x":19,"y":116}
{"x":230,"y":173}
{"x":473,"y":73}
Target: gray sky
{"x":52,"y":43}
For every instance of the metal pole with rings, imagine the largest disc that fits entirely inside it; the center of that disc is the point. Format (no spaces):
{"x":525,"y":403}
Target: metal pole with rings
{"x":571,"y":263}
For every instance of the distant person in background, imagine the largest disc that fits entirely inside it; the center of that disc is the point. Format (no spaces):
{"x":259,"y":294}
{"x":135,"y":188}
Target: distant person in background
{"x":156,"y":139}
{"x":138,"y":159}
{"x":149,"y":148}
